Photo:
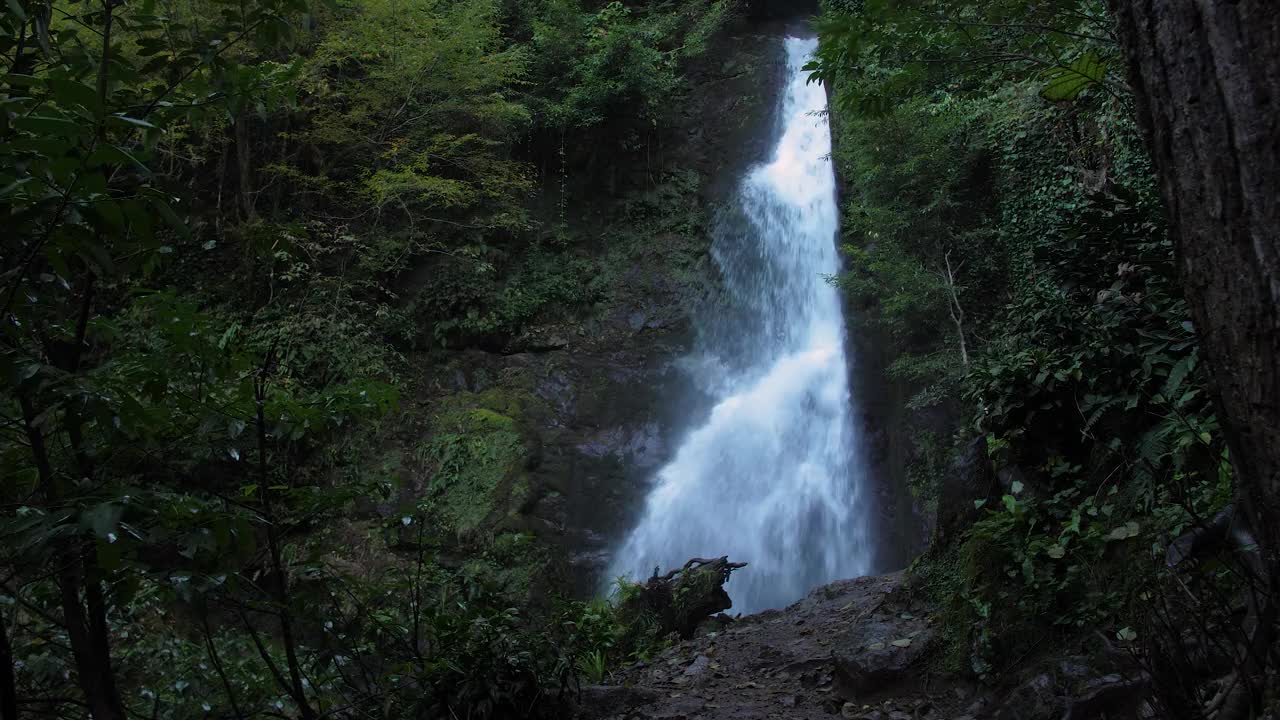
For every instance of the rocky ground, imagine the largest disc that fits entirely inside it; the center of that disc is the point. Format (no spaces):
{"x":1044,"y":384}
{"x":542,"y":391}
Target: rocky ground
{"x":853,"y":649}
{"x":863,"y":649}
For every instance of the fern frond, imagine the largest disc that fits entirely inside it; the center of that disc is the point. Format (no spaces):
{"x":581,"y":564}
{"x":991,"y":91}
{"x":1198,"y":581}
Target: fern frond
{"x":1098,"y":412}
{"x":1179,"y":374}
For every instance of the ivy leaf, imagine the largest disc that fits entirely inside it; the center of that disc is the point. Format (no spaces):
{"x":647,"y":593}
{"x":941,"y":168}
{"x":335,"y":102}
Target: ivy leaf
{"x":1066,"y":82}
{"x":1056,"y":551}
{"x":1124,"y":532}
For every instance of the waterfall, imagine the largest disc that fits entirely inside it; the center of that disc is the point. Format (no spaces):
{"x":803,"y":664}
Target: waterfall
{"x":773,"y":476}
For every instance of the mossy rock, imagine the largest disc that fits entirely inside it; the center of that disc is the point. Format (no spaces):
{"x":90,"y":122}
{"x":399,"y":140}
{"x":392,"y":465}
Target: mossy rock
{"x":476,"y":457}
{"x":485,"y":419}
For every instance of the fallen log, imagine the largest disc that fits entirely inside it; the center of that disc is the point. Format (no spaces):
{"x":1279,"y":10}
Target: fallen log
{"x":683,"y":598}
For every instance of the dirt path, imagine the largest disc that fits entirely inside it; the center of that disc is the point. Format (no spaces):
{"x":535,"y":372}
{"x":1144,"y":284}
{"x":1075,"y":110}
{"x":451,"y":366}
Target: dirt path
{"x":852,"y":649}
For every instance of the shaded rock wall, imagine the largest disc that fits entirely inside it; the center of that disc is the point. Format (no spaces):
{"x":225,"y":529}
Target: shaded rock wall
{"x":594,"y":393}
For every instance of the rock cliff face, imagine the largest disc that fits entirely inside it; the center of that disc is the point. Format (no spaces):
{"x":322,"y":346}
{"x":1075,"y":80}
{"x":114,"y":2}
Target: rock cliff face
{"x":593,"y":393}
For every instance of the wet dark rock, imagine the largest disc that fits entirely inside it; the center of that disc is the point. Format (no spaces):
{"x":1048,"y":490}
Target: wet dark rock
{"x":970,"y":479}
{"x":458,"y":379}
{"x":601,"y":701}
{"x":1074,"y":668}
{"x":879,"y":653}
{"x":1111,"y":696}
{"x":713,"y":625}
{"x":1008,"y":475}
{"x":641,"y":446}
{"x":1037,"y":699}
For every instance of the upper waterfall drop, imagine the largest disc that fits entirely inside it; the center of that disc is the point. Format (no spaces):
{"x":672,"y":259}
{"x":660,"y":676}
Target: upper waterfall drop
{"x":775,"y":474}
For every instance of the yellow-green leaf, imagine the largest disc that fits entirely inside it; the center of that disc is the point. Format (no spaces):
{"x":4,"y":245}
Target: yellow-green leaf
{"x":1066,"y":82}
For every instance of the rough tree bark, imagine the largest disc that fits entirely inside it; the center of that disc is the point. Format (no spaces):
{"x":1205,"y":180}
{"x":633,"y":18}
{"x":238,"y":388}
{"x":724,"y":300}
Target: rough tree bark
{"x":8,"y":688}
{"x":1206,"y":77}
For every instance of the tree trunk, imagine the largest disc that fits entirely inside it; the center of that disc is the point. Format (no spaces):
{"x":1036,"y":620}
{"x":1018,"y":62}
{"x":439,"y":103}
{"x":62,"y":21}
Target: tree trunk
{"x":90,"y":651}
{"x":1206,"y":76}
{"x":284,"y":608}
{"x":244,"y":166}
{"x":8,"y":688}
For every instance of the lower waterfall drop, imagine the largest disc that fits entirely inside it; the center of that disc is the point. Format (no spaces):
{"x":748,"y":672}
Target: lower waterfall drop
{"x":774,"y":476}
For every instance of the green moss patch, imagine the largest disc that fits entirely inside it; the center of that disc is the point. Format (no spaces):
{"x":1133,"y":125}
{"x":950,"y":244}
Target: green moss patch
{"x":475,"y":460}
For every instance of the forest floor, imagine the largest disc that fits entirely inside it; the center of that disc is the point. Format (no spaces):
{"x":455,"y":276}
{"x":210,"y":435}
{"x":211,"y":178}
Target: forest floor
{"x":854,"y":649}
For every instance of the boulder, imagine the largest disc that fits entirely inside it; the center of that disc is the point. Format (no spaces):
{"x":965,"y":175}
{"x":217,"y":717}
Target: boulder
{"x":1037,"y":699}
{"x":879,"y":653}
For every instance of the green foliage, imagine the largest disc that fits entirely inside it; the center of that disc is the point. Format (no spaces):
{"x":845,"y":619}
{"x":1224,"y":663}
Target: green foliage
{"x":618,"y":57}
{"x":605,"y":633}
{"x":227,"y":226}
{"x":1066,"y":82}
{"x":417,"y":101}
{"x":995,"y":166}
{"x":539,"y":286}
{"x":903,"y":50}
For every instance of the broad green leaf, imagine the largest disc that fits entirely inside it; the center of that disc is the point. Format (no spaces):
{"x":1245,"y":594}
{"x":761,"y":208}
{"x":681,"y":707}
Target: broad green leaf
{"x":44,"y":124}
{"x":20,"y":80}
{"x":109,"y":154}
{"x":69,"y":92}
{"x":13,"y":187}
{"x":1066,"y":82}
{"x":132,"y":121}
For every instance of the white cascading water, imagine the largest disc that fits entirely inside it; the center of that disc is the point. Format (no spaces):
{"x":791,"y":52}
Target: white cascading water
{"x":774,"y":474}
